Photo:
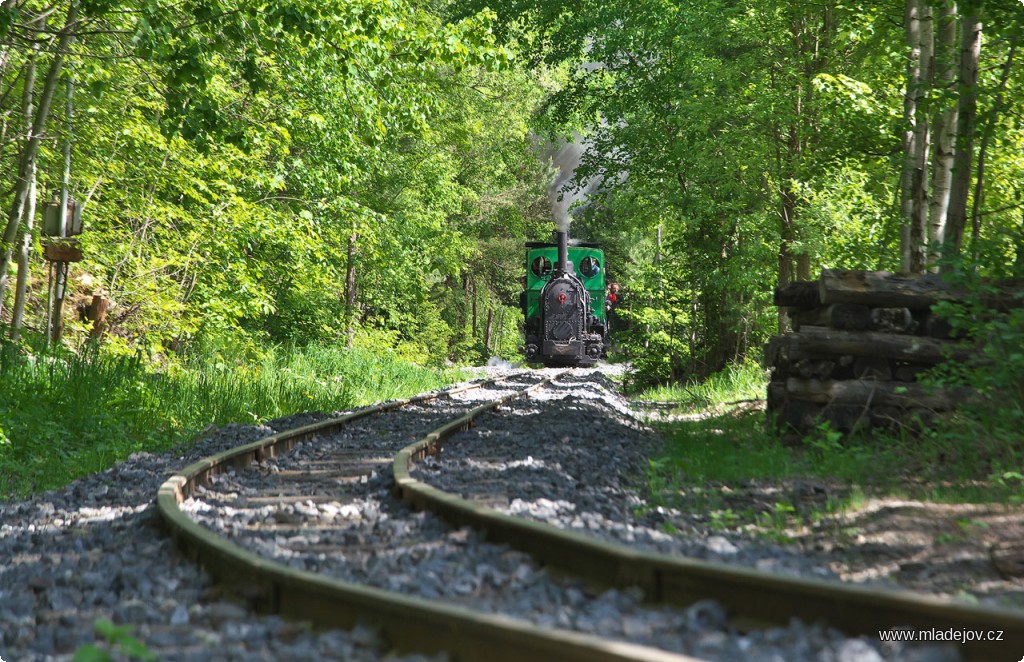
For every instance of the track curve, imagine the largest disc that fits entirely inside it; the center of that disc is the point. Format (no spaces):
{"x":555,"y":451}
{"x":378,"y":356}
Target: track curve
{"x":410,"y":623}
{"x":754,"y":599}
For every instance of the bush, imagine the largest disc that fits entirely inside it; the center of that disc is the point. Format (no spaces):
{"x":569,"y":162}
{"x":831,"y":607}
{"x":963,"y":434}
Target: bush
{"x":986,"y":429}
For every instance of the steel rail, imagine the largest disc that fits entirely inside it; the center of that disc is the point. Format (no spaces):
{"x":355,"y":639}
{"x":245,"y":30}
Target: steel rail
{"x":408,"y":623}
{"x":754,"y":599}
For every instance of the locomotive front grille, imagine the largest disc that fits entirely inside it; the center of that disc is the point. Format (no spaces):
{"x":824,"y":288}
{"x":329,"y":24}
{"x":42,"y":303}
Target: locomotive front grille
{"x":562,"y":331}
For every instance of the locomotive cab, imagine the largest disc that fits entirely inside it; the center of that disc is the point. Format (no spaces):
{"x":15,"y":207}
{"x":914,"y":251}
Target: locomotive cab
{"x":563,"y":303}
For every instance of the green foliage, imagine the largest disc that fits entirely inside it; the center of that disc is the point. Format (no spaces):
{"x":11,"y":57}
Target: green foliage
{"x":231,"y":161}
{"x":739,"y":144}
{"x":985,"y":431}
{"x":119,"y":644}
{"x":824,"y":440}
{"x":703,"y":460}
{"x":66,"y":415}
{"x":846,"y":218}
{"x":703,"y":117}
{"x":738,"y":381}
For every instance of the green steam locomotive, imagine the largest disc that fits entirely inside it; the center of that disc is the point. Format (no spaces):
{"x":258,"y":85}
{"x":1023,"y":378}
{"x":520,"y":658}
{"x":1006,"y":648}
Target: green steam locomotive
{"x":564,"y":303}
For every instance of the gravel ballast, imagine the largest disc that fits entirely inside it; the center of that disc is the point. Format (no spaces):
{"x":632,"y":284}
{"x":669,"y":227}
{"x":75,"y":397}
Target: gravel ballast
{"x":570,"y":457}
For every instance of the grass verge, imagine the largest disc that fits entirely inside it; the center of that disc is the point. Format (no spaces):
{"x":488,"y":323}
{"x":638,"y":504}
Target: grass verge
{"x":67,"y":415}
{"x":738,"y":381}
{"x":708,"y":460}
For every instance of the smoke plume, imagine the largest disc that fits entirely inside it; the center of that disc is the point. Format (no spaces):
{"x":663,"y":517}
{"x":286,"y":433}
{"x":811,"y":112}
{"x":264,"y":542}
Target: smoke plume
{"x":565,"y":190}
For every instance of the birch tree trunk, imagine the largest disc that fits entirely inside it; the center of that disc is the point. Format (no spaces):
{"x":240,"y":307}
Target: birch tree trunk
{"x":922,"y":145}
{"x":967,"y":107}
{"x":30,"y":150}
{"x":945,"y":131}
{"x":912,"y":26}
{"x":25,"y":243}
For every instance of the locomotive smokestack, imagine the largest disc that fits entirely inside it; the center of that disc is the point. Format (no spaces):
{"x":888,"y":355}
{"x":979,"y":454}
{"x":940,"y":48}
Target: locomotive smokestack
{"x":563,"y":252}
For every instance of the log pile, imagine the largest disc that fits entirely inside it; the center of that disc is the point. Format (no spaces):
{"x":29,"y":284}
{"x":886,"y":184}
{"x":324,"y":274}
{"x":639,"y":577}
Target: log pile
{"x":860,"y":340}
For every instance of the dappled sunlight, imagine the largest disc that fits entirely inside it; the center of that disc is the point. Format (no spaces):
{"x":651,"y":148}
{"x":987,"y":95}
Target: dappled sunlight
{"x":732,"y":477}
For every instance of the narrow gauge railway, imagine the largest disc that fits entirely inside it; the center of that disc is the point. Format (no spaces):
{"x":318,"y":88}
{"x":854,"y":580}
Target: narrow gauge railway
{"x":337,"y":536}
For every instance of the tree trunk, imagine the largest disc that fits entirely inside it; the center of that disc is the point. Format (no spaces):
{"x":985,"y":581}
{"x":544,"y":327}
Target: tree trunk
{"x":787,"y":201}
{"x":350,"y":289}
{"x":499,"y":331}
{"x":30,"y":150}
{"x":489,"y":328}
{"x":61,"y":272}
{"x":467,"y":287}
{"x":25,"y":244}
{"x":967,"y":106}
{"x":945,"y":131}
{"x":922,"y":146}
{"x":990,"y":125}
{"x":21,"y":283}
{"x":912,"y":26}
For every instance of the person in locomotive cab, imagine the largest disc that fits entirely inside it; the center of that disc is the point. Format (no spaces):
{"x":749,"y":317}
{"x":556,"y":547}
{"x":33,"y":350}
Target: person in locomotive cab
{"x":590,"y":267}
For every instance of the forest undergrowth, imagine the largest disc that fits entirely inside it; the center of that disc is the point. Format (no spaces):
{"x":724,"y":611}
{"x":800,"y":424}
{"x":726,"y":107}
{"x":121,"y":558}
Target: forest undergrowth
{"x":974,"y":455}
{"x":67,"y":414}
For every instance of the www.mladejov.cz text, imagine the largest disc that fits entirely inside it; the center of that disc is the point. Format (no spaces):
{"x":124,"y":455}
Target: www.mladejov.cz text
{"x":940,"y":634}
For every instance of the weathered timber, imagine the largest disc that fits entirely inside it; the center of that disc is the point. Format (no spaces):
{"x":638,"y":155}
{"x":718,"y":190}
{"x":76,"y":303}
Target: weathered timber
{"x":872,"y":367}
{"x":776,"y":352}
{"x":776,"y":394}
{"x":63,"y":250}
{"x":798,"y":294}
{"x":938,"y":327}
{"x":887,"y":418}
{"x":849,"y":316}
{"x":818,"y":342}
{"x":98,"y":314}
{"x":814,"y":368}
{"x":860,"y":342}
{"x":908,"y":373}
{"x":848,"y":418}
{"x":804,"y":416}
{"x":1008,"y":558}
{"x":883,"y":289}
{"x":893,"y":320}
{"x":864,"y":393}
{"x":799,"y":415}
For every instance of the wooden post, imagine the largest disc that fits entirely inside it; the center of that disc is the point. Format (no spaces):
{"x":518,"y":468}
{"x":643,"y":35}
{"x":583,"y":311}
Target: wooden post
{"x":98,"y":315}
{"x":60,"y":280}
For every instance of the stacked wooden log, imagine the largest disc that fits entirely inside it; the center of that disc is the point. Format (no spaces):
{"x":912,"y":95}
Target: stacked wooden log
{"x":860,"y":340}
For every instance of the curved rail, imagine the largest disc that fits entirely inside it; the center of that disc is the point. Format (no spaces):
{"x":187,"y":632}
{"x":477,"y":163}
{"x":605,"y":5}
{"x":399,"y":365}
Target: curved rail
{"x":410,"y":624}
{"x":754,"y":599}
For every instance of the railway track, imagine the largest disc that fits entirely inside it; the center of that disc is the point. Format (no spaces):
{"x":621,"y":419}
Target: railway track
{"x":292,"y":515}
